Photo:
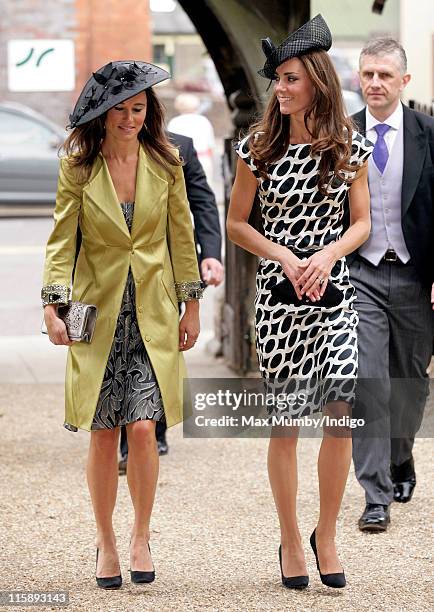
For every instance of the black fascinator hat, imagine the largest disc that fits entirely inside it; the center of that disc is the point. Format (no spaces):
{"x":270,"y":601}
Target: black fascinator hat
{"x":112,"y":84}
{"x":311,"y":36}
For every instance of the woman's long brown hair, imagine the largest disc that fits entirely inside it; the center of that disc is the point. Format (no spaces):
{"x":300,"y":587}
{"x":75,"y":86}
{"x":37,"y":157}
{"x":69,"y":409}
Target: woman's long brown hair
{"x":331,"y":130}
{"x":84,"y":143}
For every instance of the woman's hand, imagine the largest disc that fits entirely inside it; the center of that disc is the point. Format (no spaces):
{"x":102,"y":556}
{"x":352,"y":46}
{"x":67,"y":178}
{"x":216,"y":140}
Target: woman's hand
{"x":292,"y":267}
{"x":55,"y":326}
{"x":313,"y":281}
{"x":189,"y":326}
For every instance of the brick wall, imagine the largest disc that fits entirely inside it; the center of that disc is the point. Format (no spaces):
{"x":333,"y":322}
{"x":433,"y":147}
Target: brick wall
{"x":101,"y":29}
{"x":108,"y":30}
{"x":36,"y":19}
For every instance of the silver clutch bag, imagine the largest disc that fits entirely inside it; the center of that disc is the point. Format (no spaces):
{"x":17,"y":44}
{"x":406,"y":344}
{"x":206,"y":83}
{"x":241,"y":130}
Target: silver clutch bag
{"x":80,"y":320}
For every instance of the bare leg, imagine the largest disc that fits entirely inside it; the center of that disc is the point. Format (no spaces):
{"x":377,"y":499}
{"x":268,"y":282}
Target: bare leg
{"x":333,"y":466}
{"x":282,"y":472}
{"x":102,"y":478}
{"x":142,"y":475}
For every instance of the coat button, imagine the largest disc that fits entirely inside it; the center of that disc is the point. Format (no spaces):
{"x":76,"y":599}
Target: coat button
{"x":147,"y":338}
{"x":140,"y":308}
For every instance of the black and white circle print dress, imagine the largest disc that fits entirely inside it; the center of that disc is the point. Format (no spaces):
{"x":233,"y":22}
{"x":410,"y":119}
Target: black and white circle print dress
{"x":305,"y":342}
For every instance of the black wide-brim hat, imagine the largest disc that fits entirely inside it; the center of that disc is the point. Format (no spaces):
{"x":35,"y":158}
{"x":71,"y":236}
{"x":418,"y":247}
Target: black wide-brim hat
{"x":312,"y":36}
{"x":112,"y":84}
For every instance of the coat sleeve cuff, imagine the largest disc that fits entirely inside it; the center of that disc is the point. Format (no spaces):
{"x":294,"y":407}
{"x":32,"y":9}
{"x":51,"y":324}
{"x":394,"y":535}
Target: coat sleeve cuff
{"x":189,"y":290}
{"x":205,"y":254}
{"x":55,"y":294}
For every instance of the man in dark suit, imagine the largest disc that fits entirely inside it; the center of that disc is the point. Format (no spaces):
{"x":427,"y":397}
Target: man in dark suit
{"x":204,"y":210}
{"x":208,"y":244}
{"x":393,"y":273}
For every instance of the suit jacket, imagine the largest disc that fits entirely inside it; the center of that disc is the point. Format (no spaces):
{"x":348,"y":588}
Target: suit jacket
{"x":201,"y":199}
{"x":417,"y":196}
{"x":160,"y":251}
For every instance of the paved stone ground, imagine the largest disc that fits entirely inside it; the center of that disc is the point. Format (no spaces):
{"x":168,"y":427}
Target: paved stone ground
{"x":214,"y":529}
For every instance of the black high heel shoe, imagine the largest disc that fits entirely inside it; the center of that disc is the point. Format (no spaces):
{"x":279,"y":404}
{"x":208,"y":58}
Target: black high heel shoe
{"x":335,"y":581}
{"x":292,"y":582}
{"x":141,"y":577}
{"x":110,"y":582}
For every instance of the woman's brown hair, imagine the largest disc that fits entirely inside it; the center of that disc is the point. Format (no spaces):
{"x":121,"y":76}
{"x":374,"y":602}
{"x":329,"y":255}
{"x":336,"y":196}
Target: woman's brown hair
{"x":84,"y":143}
{"x":331,"y":129}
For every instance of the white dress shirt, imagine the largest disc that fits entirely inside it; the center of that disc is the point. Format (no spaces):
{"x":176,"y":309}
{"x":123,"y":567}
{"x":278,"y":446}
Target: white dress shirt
{"x":394,"y":120}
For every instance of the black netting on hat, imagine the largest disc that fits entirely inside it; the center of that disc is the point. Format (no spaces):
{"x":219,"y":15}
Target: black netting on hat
{"x":311,"y":36}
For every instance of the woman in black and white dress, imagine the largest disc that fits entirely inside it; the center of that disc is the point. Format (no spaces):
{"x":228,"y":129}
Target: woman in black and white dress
{"x":304,"y":158}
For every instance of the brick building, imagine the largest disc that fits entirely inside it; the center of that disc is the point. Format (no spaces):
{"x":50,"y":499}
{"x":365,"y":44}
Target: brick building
{"x":101,"y":30}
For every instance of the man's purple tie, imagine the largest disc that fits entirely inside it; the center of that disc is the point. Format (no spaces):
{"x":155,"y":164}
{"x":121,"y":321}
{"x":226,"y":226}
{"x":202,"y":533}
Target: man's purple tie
{"x":381,"y":152}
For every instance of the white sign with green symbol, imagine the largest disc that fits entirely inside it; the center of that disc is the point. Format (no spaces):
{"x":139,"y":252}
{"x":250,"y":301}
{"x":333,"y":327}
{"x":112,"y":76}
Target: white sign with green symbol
{"x":41,"y":65}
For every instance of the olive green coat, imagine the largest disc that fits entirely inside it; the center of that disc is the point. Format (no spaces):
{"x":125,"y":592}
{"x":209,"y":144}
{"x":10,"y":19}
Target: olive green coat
{"x":161,"y":253}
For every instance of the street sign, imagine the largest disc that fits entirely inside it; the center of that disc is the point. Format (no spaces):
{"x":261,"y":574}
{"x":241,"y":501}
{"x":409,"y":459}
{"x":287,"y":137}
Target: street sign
{"x":41,"y":65}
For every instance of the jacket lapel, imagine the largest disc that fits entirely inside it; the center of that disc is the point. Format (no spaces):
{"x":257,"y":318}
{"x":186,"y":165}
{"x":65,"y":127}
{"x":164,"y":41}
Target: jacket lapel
{"x":415,"y":142}
{"x":100,"y":190}
{"x":149,"y":186}
{"x":360,"y":121}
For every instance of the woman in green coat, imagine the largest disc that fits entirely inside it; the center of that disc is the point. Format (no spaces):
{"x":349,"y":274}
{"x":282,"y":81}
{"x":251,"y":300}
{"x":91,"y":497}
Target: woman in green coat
{"x":121,"y":184}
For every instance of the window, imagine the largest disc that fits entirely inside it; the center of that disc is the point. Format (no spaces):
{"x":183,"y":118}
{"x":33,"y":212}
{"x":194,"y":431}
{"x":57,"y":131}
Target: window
{"x":159,"y":53}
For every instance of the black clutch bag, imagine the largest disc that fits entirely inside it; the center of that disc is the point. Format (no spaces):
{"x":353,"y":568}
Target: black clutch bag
{"x":284,"y":293}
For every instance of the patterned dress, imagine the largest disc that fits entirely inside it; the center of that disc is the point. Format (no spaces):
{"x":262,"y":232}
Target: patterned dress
{"x":305,"y":342}
{"x":129,"y":391}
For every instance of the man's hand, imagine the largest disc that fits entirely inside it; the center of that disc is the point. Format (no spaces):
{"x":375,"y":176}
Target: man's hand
{"x":212,"y":271}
